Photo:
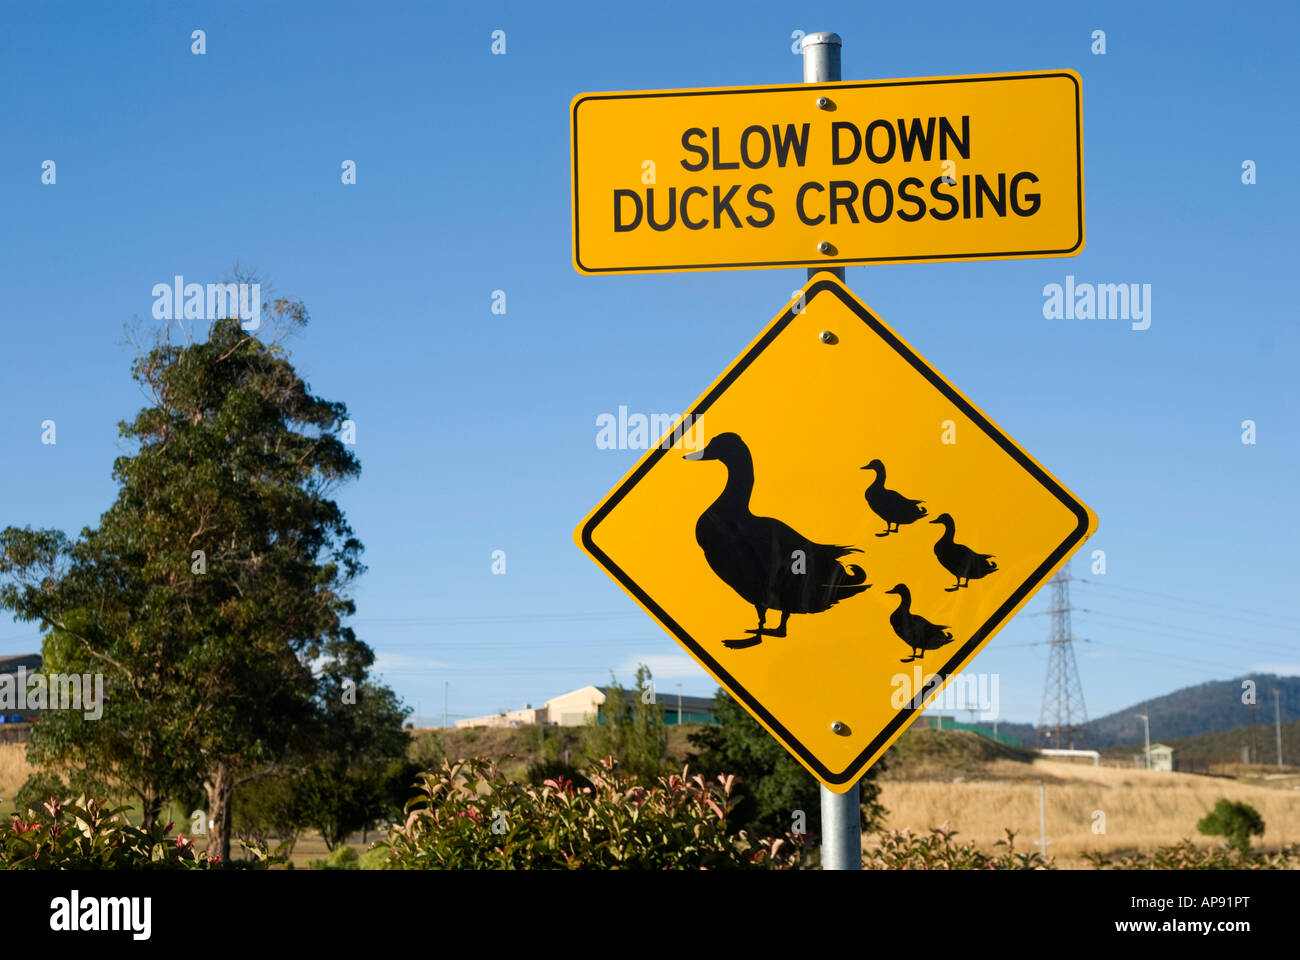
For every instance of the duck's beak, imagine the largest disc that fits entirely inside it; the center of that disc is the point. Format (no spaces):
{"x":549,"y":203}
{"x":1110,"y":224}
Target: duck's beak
{"x":935,"y":520}
{"x":697,"y":455}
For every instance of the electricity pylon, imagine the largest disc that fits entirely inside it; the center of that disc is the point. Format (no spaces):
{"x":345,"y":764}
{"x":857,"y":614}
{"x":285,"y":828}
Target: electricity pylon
{"x":1064,"y":716}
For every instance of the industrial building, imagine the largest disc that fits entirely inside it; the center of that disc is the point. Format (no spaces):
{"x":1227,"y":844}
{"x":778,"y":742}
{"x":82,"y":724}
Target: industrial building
{"x":15,"y":724}
{"x":577,"y":707}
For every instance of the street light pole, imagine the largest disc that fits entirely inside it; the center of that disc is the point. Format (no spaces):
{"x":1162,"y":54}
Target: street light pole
{"x":1277,"y":721}
{"x":1146,"y":723}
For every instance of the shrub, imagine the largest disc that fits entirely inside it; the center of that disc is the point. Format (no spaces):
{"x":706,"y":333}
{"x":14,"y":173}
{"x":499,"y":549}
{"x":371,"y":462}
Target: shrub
{"x":1186,"y":856}
{"x":538,"y":773}
{"x":38,"y":788}
{"x":340,"y":858}
{"x":468,"y":815}
{"x":1238,"y":822}
{"x":937,"y":850}
{"x":88,"y":834}
{"x":427,"y":750}
{"x":376,"y":858}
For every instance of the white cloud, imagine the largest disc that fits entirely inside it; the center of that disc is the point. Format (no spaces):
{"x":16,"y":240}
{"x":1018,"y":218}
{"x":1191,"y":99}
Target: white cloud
{"x":662,"y":666}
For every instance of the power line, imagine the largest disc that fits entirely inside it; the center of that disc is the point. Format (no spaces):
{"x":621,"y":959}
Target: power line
{"x":1237,"y":612}
{"x":1210,"y":637}
{"x":1157,"y":656}
{"x":498,"y":619}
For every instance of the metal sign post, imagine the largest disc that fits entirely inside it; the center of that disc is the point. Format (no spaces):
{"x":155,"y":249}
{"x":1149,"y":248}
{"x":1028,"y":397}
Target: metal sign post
{"x":841,"y":821}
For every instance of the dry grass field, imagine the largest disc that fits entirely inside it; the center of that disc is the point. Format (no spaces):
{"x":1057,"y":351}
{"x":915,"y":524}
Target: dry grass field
{"x":13,"y":769}
{"x":1143,"y":809}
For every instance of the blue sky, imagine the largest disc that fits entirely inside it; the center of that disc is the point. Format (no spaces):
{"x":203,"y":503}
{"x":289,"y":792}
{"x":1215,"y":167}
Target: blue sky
{"x":477,"y":432}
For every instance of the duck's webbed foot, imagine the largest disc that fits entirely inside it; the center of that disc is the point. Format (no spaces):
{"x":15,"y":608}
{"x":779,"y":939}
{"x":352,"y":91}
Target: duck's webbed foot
{"x":762,"y":630}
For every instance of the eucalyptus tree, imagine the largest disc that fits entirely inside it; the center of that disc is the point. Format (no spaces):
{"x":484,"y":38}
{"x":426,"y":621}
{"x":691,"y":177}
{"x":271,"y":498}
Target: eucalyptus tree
{"x":212,"y":594}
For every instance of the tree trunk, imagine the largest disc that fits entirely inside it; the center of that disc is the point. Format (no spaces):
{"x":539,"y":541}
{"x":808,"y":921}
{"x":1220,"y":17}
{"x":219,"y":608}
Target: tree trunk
{"x":220,"y":787}
{"x":151,"y":803}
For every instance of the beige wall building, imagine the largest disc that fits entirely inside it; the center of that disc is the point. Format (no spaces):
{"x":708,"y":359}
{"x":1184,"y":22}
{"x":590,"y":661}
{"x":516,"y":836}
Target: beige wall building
{"x":1162,"y":757}
{"x":567,"y":710}
{"x":575,"y":708}
{"x":511,"y":718}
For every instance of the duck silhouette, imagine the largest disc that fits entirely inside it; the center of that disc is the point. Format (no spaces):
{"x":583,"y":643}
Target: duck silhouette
{"x":768,"y":563}
{"x":961,"y":561}
{"x":915,"y":631}
{"x":890,"y":505}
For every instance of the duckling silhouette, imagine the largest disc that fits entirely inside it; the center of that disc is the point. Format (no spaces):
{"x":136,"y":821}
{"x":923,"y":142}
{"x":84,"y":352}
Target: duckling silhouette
{"x":766,"y":562}
{"x":961,"y":561}
{"x":915,"y":631}
{"x":890,"y":505}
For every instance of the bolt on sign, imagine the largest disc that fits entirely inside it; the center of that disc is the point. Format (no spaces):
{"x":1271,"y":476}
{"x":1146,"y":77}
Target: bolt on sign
{"x":980,"y":167}
{"x":833,"y":531}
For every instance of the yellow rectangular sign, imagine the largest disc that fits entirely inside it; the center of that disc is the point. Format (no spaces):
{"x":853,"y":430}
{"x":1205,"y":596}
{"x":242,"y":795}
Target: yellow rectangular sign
{"x":834,"y":531}
{"x":980,"y":167}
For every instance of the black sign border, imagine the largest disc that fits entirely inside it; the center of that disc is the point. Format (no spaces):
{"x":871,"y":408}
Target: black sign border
{"x":857,"y":767}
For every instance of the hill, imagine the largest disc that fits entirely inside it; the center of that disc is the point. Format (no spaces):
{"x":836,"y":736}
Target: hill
{"x":1212,"y":707}
{"x":1207,"y":708}
{"x":1225,"y":747}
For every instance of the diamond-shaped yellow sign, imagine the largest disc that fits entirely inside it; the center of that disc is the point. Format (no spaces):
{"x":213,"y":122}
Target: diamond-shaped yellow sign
{"x":829,"y":527}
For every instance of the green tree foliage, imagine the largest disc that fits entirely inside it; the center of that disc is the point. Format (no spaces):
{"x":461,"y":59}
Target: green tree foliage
{"x":773,"y":786}
{"x":210,"y":660}
{"x":1235,"y":821}
{"x":397,"y":784}
{"x":265,"y":809}
{"x":630,"y":726}
{"x":343,"y":788}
